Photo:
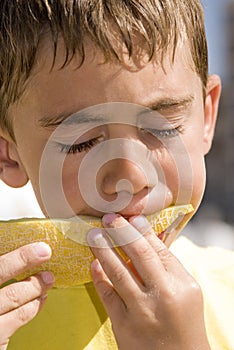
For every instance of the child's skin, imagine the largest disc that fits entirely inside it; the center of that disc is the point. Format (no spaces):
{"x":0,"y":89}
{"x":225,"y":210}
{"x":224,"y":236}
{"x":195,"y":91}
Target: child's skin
{"x":142,"y":310}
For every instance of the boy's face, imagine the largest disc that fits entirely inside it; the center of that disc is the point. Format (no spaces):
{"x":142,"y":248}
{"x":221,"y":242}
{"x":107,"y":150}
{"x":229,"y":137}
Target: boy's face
{"x":125,"y":157}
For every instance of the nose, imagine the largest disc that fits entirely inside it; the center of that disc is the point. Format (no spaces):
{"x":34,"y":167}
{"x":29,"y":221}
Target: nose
{"x":128,"y":168}
{"x":120,"y":175}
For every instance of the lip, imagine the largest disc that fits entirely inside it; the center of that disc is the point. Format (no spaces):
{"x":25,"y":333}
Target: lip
{"x":148,"y":205}
{"x":148,"y":202}
{"x":133,"y":209}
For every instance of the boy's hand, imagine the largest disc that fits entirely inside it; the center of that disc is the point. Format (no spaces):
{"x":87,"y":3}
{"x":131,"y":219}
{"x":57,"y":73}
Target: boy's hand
{"x":153,"y":303}
{"x":21,"y":301}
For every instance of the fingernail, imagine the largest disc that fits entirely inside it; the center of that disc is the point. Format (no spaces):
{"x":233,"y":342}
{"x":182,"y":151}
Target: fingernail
{"x":109,"y":218}
{"x":139,"y":222}
{"x":42,"y":249}
{"x":95,"y":238}
{"x":47,"y":277}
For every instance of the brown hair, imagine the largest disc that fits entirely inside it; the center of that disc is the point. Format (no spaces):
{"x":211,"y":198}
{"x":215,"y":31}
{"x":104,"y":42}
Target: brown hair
{"x":159,"y":22}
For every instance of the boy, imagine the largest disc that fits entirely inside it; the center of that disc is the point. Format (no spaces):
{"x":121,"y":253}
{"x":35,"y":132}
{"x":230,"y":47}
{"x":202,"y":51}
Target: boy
{"x":88,"y":87}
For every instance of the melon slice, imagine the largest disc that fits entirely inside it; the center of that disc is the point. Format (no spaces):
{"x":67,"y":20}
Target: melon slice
{"x":71,"y":257}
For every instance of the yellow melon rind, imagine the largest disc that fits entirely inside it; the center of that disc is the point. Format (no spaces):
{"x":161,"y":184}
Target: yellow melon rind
{"x":71,"y":257}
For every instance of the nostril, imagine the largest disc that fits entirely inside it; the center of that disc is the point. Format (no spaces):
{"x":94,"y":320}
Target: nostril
{"x":124,"y":185}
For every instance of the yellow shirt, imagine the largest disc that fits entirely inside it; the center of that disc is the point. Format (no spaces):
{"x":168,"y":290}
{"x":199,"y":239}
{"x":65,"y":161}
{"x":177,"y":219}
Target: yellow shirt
{"x":213,"y":268}
{"x":74,"y":319}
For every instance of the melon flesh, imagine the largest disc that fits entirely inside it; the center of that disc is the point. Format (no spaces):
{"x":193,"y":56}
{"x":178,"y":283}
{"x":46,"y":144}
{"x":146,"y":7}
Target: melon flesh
{"x":71,"y":257}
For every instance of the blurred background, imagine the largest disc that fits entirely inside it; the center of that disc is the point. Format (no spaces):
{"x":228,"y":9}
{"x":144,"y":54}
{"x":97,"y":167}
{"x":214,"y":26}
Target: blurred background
{"x":214,"y":222}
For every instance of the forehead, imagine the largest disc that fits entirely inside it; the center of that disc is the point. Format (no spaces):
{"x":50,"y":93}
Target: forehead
{"x":47,"y":62}
{"x":135,"y":80}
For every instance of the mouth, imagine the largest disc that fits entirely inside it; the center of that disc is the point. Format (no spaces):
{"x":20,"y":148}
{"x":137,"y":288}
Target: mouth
{"x":147,"y":202}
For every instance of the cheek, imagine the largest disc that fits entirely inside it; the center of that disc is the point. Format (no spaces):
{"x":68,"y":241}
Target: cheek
{"x":199,"y":180}
{"x":184,"y":172}
{"x":194,"y":142}
{"x":70,"y":183}
{"x":70,"y":176}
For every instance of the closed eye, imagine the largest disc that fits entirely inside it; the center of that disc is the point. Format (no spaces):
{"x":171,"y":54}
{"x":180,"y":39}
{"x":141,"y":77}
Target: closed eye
{"x":79,"y":147}
{"x":165,"y":133}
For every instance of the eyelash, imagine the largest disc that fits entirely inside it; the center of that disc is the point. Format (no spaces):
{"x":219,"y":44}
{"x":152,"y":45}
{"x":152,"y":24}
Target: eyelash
{"x":167,"y":133}
{"x":87,"y":145}
{"x":79,"y":147}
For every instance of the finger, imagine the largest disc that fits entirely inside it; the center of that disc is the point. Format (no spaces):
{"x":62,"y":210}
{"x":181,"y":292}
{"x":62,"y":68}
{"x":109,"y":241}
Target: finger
{"x":14,"y":263}
{"x":170,"y":262}
{"x":13,"y":320}
{"x":121,"y":277}
{"x":110,"y":299}
{"x":4,"y":346}
{"x":20,"y":293}
{"x":141,"y":253}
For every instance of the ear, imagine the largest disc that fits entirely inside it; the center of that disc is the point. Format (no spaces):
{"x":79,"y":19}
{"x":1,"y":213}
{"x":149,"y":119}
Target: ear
{"x":213,"y":92}
{"x":11,"y":170}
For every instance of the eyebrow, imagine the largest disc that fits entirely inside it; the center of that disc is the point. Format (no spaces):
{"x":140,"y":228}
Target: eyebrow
{"x":70,"y":119}
{"x":171,"y":102}
{"x":162,"y":104}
